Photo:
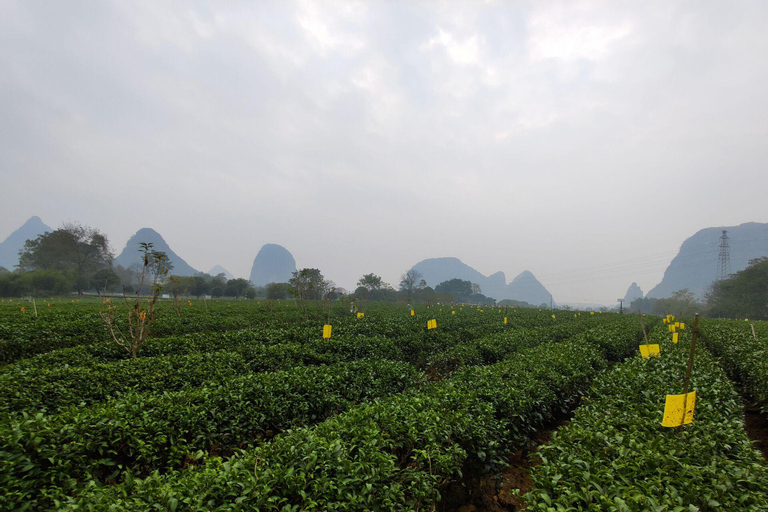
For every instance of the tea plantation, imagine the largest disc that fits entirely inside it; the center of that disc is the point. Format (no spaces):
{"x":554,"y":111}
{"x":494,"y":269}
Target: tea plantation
{"x":244,"y":405}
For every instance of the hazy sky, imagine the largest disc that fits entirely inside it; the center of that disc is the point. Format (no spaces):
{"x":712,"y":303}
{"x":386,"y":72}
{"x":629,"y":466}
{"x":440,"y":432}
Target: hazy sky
{"x":583,"y":141}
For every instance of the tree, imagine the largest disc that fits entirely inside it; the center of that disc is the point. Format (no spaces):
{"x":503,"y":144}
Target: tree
{"x":456,"y":289}
{"x":371,"y":282}
{"x":682,"y":302}
{"x":743,"y":294}
{"x":644,"y":305}
{"x":237,"y":287}
{"x":276,"y":291}
{"x":73,"y":247}
{"x":219,"y":281}
{"x":141,"y":312}
{"x":412,"y":282}
{"x":199,"y":285}
{"x":177,"y":286}
{"x":309,"y":284}
{"x":104,"y":279}
{"x":129,"y":277}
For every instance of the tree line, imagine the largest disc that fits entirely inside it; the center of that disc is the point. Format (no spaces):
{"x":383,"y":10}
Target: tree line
{"x":79,"y":259}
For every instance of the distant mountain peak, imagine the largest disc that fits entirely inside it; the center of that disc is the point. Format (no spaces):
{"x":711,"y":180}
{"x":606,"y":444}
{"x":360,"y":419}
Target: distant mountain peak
{"x":131,"y":254}
{"x":273,"y":264}
{"x":633,"y":292}
{"x":218,"y":269}
{"x":524,"y":287}
{"x":10,"y":247}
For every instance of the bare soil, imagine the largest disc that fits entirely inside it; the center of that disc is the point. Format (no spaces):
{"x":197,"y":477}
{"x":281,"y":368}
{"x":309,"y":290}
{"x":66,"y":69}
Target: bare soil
{"x":492,"y":493}
{"x":756,"y":424}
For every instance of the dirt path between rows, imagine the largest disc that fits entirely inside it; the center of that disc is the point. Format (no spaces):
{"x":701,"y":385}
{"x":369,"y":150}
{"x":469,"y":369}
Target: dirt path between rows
{"x":756,"y":424}
{"x":491,"y":493}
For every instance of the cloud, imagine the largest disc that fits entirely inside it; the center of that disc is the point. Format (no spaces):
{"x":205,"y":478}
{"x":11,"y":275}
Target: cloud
{"x":365,"y":136}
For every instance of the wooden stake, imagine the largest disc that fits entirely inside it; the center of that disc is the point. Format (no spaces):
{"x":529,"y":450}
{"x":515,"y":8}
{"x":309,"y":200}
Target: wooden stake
{"x":642,"y":323}
{"x":687,"y":380}
{"x":34,"y":306}
{"x":754,"y":335}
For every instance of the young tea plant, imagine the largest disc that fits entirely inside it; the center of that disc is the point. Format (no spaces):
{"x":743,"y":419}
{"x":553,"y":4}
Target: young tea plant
{"x":141,"y":312}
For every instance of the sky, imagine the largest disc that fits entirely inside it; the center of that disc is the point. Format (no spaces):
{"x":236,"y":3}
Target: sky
{"x":583,"y":141}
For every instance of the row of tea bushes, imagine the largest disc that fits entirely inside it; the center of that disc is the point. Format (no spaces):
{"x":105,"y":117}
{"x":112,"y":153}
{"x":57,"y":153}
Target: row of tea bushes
{"x":43,"y":455}
{"x":744,"y":358}
{"x":78,"y":375}
{"x":615,"y":455}
{"x":393,"y":454}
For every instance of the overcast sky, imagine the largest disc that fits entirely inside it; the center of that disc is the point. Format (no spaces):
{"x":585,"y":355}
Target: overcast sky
{"x":583,"y":141}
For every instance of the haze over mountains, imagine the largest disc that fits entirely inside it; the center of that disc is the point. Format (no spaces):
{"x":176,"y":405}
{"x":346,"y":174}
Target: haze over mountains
{"x":633,"y":292}
{"x":218,"y":269}
{"x":132,"y":254}
{"x":273,"y":264}
{"x":10,"y":247}
{"x":525,"y":287}
{"x":695,"y":266}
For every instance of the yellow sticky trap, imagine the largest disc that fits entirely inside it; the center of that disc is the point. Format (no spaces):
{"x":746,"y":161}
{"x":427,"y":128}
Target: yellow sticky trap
{"x":671,"y":328}
{"x":678,"y":410}
{"x":675,"y":337}
{"x":360,"y":315}
{"x":574,"y":315}
{"x":682,"y":326}
{"x":649,"y":350}
{"x":677,"y":325}
{"x":453,"y":312}
{"x":591,"y":312}
{"x":326,"y":331}
{"x":553,"y":316}
{"x":431,"y":324}
{"x":413,"y":312}
{"x":505,"y":320}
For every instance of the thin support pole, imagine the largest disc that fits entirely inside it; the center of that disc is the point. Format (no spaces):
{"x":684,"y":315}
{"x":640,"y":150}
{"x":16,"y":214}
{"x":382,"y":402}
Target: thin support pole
{"x":642,"y":323}
{"x":687,"y":380}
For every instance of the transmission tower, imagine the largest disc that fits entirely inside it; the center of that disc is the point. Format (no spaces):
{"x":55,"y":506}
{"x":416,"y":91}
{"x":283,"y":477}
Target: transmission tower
{"x":724,"y":259}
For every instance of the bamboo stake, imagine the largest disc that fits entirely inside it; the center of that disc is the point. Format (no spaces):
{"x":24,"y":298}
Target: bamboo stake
{"x":642,"y":323}
{"x":754,"y":334}
{"x":687,"y":380}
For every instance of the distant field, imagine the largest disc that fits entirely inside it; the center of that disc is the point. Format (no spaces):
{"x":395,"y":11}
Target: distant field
{"x":243,"y":405}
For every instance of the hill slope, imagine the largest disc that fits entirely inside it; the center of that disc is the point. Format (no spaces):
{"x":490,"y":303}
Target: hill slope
{"x":695,"y":266}
{"x":524,"y":287}
{"x":10,"y":247}
{"x":218,"y":269}
{"x":273,"y":264}
{"x":131,"y":253}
